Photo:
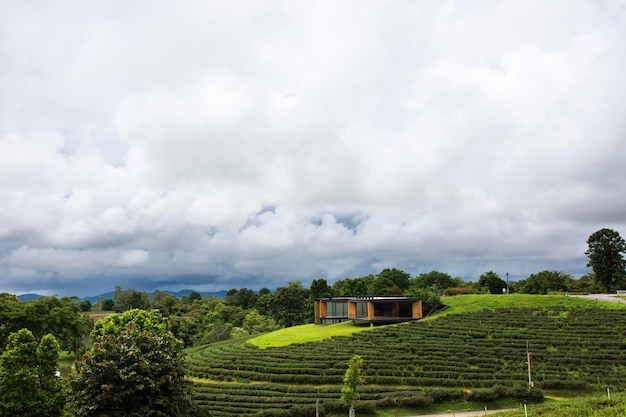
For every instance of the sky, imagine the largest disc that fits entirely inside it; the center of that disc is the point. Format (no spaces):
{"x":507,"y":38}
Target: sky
{"x":215,"y":145}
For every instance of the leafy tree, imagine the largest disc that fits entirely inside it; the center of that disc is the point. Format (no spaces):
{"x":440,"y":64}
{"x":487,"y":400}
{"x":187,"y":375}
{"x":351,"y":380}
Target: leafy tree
{"x":258,"y":323}
{"x":320,"y":289}
{"x":130,"y":299}
{"x":61,"y":317}
{"x":244,"y":298}
{"x":351,"y":382}
{"x":288,"y":304}
{"x":28,"y":382}
{"x":11,"y":316}
{"x":436,"y":280}
{"x":135,"y":369}
{"x":85,"y":305}
{"x":167,"y":304}
{"x":492,"y":282}
{"x":605,"y":251}
{"x":390,"y":282}
{"x":105,"y":304}
{"x":545,"y":281}
{"x":352,"y":286}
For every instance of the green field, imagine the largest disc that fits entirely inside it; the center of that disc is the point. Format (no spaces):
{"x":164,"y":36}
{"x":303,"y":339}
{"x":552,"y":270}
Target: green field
{"x":305,"y":333}
{"x":472,"y":354}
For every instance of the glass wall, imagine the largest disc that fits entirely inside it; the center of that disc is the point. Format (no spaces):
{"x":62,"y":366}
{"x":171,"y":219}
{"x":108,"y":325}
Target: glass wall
{"x":337,"y":309}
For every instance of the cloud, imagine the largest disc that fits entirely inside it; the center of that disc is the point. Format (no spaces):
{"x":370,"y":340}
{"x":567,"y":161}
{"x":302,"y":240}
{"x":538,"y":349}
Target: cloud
{"x":245,"y":144}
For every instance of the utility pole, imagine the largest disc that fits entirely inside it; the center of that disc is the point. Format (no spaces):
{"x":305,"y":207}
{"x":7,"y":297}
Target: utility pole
{"x":530,"y":380}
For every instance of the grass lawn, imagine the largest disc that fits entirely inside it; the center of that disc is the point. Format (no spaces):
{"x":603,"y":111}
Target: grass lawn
{"x":470,"y":303}
{"x":305,"y":333}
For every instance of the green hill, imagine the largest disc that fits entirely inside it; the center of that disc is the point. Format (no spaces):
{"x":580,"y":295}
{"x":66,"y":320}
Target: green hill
{"x":475,"y":351}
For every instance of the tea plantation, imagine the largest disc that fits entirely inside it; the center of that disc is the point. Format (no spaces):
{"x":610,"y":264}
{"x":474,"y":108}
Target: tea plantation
{"x":476,"y":356}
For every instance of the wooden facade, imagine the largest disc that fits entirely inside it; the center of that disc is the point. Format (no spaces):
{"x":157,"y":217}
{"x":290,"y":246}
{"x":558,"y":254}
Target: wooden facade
{"x":367,"y":309}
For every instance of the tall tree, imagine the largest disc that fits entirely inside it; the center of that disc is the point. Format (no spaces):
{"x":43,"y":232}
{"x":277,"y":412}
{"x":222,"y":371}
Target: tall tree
{"x":605,"y":251}
{"x":135,"y":369}
{"x":435,"y":280}
{"x":29,"y":386}
{"x":351,"y":382}
{"x":390,"y":282}
{"x":288,"y":304}
{"x":492,"y":282}
{"x":544,"y":281}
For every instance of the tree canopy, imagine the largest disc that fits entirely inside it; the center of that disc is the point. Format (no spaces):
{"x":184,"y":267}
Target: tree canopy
{"x":29,"y":386}
{"x":605,"y":251}
{"x":135,"y":369}
{"x":492,"y":282}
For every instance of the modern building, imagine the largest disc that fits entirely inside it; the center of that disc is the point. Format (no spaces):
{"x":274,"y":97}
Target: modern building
{"x":367,"y":309}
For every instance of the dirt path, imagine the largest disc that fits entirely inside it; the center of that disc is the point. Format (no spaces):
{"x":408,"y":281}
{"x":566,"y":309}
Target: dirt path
{"x":469,"y":413}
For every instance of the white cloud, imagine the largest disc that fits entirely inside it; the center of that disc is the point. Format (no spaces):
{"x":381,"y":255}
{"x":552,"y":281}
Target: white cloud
{"x":216,"y":143}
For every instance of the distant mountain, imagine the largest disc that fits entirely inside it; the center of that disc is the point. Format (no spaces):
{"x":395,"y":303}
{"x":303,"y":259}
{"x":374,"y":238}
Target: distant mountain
{"x":95,"y":298}
{"x":179,"y":294}
{"x":29,"y":297}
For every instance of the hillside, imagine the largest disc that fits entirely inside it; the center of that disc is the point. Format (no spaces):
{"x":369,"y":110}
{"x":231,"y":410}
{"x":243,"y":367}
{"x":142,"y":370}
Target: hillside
{"x":468,"y":353}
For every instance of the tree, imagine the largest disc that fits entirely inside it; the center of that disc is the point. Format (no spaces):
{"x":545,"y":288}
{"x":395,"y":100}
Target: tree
{"x":258,"y":323}
{"x":352,"y":286}
{"x":492,"y":281}
{"x":28,"y":382}
{"x":129,"y":299}
{"x":351,"y":382}
{"x":135,"y":369}
{"x":545,"y":281}
{"x":390,"y":282}
{"x":436,"y":280}
{"x":605,"y":251}
{"x":288,"y":304}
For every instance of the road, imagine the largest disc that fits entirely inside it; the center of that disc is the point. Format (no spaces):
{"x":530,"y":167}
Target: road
{"x":469,"y":413}
{"x":613,"y":298}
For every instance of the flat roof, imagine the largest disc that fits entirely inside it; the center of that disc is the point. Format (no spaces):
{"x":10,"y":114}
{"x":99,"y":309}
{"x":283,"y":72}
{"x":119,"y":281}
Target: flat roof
{"x":373,"y":298}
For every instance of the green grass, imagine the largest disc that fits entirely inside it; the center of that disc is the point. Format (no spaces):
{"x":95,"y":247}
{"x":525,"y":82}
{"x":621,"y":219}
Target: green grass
{"x":305,"y":333}
{"x":460,"y":304}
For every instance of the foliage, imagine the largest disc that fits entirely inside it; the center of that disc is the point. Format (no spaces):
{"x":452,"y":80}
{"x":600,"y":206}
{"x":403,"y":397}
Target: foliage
{"x":351,"y":381}
{"x":435,"y":280}
{"x":605,"y":251}
{"x":255,"y":323}
{"x":60,"y":317}
{"x":288,"y":305}
{"x":135,"y":368}
{"x":243,"y":298}
{"x":457,"y":291}
{"x":352,"y":286}
{"x":492,"y":282}
{"x":546,"y":281}
{"x":389,"y":282}
{"x":28,"y":382}
{"x":130,"y":299}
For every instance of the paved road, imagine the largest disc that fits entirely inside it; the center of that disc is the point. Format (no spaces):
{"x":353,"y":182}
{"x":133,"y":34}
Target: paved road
{"x":613,"y":298}
{"x":469,"y":413}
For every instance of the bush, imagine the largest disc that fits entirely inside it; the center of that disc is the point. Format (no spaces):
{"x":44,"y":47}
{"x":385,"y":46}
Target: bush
{"x":457,"y":291}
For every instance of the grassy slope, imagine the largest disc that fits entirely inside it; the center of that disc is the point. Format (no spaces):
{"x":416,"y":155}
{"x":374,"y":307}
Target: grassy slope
{"x":305,"y":333}
{"x":457,"y":305}
{"x":468,"y":303}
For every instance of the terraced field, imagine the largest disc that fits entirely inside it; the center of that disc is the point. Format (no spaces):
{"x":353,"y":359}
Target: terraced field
{"x":478,"y":356}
